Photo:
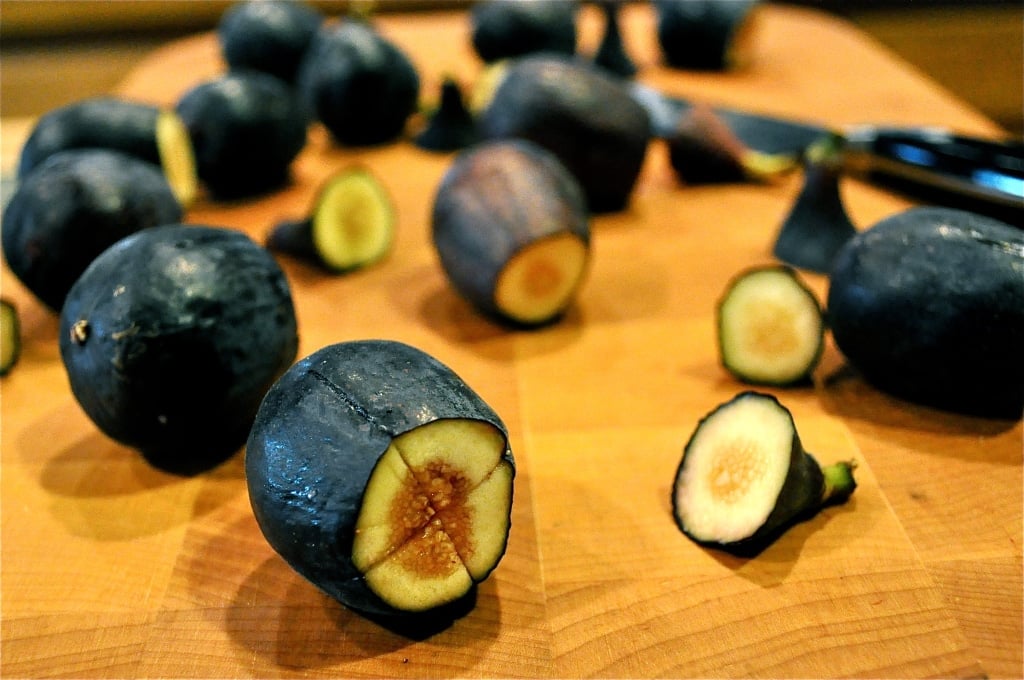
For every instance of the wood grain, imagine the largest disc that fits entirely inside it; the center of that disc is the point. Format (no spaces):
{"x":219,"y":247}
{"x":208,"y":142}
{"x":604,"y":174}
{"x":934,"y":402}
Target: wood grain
{"x":114,"y":569}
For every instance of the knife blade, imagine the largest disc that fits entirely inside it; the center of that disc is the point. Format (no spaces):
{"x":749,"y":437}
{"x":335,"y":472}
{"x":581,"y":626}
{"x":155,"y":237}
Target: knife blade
{"x":930,"y":163}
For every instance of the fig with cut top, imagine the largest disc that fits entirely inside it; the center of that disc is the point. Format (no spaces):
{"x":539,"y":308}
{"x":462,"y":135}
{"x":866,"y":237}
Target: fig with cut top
{"x":771,"y":329}
{"x":511,"y":229}
{"x":171,"y":338}
{"x":383,"y":479}
{"x":928,"y":305}
{"x":352,"y":224}
{"x":745,"y":477}
{"x":72,"y":207}
{"x":154,"y":134}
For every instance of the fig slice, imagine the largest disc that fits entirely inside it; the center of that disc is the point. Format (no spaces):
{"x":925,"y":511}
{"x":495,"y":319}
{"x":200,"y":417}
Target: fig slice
{"x":351,"y":226}
{"x":771,"y":327}
{"x":745,"y":477}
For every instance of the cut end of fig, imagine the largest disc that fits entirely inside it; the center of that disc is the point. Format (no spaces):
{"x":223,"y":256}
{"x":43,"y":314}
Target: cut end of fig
{"x":177,"y":157}
{"x":540,"y":281}
{"x":353,"y":221}
{"x":735,"y":467}
{"x":435,"y":514}
{"x":771,"y":327}
{"x":10,"y":336}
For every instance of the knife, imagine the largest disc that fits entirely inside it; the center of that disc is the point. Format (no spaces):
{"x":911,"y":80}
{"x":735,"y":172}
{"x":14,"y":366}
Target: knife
{"x":931,"y":163}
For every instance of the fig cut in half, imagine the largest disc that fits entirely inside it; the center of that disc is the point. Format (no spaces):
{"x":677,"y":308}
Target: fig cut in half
{"x":745,"y":477}
{"x":351,"y":225}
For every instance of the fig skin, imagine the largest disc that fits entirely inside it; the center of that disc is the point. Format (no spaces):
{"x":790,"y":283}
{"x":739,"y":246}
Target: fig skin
{"x":928,"y":305}
{"x":268,"y":35}
{"x":318,"y":436}
{"x":246,"y":129}
{"x":71,"y":208}
{"x":583,"y":115}
{"x":171,"y":338}
{"x":360,"y":85}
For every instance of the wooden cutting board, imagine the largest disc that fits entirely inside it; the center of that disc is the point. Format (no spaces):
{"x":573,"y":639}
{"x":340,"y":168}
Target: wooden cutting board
{"x":114,"y":569}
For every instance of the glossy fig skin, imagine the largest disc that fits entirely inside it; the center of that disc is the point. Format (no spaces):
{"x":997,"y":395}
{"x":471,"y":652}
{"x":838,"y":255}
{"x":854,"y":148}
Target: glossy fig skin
{"x":102,"y":122}
{"x":583,"y":115}
{"x":246,"y":129}
{"x":496,"y":198}
{"x":72,"y":207}
{"x":318,"y":436}
{"x":503,"y":29}
{"x":928,"y":305}
{"x":359,"y":84}
{"x":268,"y":35}
{"x":171,"y":338}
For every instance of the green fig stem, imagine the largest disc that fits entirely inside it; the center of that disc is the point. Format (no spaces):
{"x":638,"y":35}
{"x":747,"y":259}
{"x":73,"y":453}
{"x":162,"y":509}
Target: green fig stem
{"x":839,"y":483}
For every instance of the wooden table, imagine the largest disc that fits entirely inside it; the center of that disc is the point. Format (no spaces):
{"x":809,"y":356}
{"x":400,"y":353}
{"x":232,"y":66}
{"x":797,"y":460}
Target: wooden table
{"x":114,"y":569}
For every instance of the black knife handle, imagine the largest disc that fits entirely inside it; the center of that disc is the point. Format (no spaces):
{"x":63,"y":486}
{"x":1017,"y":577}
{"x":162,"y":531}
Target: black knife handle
{"x":980,"y":173}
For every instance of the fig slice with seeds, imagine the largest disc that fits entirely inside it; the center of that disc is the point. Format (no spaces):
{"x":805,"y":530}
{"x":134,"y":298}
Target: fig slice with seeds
{"x":383,"y":479}
{"x":745,"y":477}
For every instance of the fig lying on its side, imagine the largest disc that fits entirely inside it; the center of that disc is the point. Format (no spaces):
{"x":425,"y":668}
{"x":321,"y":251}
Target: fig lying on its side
{"x":511,"y":229}
{"x":928,"y":305}
{"x":246,"y":128}
{"x":151,"y":133}
{"x":171,"y":338}
{"x":71,"y":208}
{"x":583,"y":115}
{"x":704,"y":150}
{"x":383,"y":479}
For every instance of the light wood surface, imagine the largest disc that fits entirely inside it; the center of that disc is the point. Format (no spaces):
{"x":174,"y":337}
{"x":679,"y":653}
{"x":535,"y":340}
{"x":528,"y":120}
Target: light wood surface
{"x":114,"y":569}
